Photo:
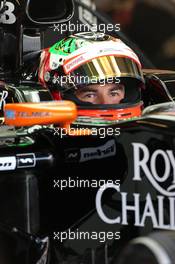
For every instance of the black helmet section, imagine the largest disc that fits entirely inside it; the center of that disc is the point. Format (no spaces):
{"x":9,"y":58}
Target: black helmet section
{"x":132,"y":89}
{"x":156,"y":248}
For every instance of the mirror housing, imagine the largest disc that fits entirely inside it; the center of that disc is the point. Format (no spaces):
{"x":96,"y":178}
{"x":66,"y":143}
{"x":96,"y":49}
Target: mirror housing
{"x":45,"y":13}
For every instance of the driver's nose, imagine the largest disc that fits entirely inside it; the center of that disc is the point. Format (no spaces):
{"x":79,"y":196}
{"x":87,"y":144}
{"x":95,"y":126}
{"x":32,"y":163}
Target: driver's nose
{"x":104,"y":100}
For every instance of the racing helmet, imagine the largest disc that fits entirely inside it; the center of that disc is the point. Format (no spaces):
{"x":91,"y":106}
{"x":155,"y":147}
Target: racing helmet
{"x":94,"y":59}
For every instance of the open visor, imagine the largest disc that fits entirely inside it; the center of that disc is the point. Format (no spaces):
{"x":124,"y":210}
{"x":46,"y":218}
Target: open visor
{"x":106,"y":68}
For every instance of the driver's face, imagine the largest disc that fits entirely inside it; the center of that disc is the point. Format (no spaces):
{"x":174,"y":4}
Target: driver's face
{"x":97,"y":94}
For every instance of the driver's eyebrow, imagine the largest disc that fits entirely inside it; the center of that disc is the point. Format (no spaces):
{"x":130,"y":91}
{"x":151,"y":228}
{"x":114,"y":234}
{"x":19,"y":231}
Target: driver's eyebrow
{"x":118,"y":86}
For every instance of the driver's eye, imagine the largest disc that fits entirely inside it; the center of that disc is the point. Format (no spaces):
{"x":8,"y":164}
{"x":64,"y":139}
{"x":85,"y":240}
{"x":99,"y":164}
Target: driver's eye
{"x":89,"y":95}
{"x":116,"y":91}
